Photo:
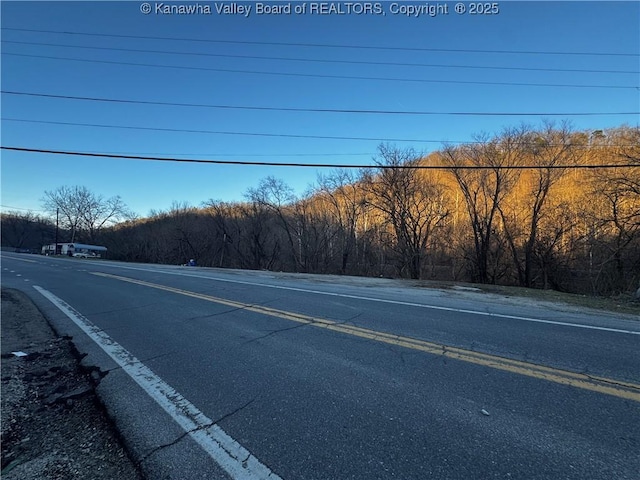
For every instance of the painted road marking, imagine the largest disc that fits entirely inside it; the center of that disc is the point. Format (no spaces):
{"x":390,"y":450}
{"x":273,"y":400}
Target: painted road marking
{"x":20,"y":259}
{"x":380,"y":300}
{"x":236,"y":460}
{"x":626,"y":390}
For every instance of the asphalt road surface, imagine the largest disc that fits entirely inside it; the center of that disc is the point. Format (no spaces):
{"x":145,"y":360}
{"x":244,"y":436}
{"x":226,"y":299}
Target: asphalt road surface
{"x":214,"y":373}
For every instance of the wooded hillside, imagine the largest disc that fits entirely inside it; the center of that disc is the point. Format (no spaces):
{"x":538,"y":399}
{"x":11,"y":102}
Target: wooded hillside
{"x":524,"y":207}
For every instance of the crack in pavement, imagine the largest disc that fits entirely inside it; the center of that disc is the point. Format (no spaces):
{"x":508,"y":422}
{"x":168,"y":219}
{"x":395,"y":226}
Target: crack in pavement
{"x":211,"y":315}
{"x":311,"y":323}
{"x":189,"y":432}
{"x":231,"y":310}
{"x":155,"y":357}
{"x":351,"y":319}
{"x":230,"y":414}
{"x":609,"y":381}
{"x":400,"y":352}
{"x":273,"y":332}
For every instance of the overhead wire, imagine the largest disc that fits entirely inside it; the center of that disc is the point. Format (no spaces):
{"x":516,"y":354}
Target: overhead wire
{"x":314,"y":110}
{"x":323,"y":110}
{"x":321,"y":75}
{"x":251,"y":134}
{"x":326,"y":45}
{"x":317,"y":60}
{"x":222,"y":132}
{"x":319,"y":165}
{"x":19,"y":208}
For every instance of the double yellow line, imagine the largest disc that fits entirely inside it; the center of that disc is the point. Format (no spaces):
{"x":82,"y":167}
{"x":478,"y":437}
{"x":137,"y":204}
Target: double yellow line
{"x":629,"y":391}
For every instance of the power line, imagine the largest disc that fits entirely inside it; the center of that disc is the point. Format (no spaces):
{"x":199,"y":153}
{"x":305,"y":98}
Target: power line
{"x":210,"y":154}
{"x":370,"y":154}
{"x":219,"y":132}
{"x":314,"y":165}
{"x":312,"y":110}
{"x":323,"y":45}
{"x":25,"y":209}
{"x":319,"y":75}
{"x":252,"y":134}
{"x":315,"y":60}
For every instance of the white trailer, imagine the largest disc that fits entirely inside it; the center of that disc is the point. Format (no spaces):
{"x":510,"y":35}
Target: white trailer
{"x":81,"y":250}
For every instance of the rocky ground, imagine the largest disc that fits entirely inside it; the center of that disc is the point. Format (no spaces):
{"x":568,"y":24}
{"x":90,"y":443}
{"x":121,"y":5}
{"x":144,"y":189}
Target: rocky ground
{"x":53,"y":426}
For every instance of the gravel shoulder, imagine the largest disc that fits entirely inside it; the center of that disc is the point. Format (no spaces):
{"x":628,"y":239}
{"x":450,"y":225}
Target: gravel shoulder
{"x":53,"y":425}
{"x":624,"y":304}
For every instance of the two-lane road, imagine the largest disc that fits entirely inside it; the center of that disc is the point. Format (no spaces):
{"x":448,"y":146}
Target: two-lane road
{"x":215,"y":374}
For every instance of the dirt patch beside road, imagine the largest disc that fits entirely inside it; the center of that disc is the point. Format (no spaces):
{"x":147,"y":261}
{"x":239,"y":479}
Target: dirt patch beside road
{"x":53,"y":426}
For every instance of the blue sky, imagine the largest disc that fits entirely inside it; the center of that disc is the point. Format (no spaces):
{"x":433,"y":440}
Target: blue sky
{"x":459,"y":63}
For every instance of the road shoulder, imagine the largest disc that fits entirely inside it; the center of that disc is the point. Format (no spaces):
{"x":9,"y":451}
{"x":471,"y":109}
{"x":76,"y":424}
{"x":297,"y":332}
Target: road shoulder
{"x":53,"y":425}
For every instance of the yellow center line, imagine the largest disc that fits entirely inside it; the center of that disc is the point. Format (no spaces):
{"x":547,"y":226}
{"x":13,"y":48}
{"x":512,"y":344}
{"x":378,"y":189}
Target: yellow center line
{"x":626,"y":390}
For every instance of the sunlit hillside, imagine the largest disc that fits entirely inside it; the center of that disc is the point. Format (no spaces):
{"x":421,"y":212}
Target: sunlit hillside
{"x":542,"y":207}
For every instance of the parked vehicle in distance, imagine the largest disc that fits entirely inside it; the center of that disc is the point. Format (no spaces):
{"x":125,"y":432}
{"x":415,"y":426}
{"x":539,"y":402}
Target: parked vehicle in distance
{"x":84,"y":255}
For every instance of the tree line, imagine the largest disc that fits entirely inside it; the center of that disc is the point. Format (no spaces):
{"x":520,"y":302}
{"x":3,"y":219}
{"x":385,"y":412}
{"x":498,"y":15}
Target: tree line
{"x":482,"y":217}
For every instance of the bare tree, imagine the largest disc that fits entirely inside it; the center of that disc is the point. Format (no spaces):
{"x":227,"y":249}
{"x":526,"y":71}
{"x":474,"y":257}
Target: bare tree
{"x":629,"y":149}
{"x":68,"y":204}
{"x":262,"y":242}
{"x":547,"y":150}
{"x":185,"y":226}
{"x":342,"y":192}
{"x":480,"y":169}
{"x":220,"y":212}
{"x":614,"y":209}
{"x":413,"y":204}
{"x":82,"y":211}
{"x":101,"y":212}
{"x":275,"y":195}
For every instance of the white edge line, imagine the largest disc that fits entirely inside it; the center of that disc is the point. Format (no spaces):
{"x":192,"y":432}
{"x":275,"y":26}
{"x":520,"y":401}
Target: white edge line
{"x":395,"y":302}
{"x":236,"y":460}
